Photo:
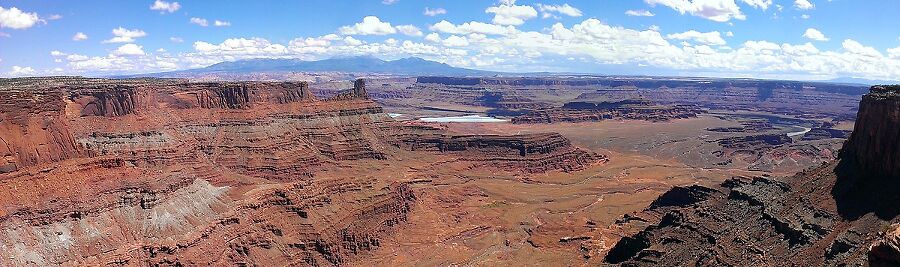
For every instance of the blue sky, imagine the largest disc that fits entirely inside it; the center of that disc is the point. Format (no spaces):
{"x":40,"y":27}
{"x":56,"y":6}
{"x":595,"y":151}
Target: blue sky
{"x":794,"y":39}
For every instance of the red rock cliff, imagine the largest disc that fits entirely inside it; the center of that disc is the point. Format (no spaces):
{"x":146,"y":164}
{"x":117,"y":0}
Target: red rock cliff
{"x":874,"y":144}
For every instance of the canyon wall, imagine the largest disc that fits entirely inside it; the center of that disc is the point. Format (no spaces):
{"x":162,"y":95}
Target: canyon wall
{"x":835,"y":214}
{"x":875,"y":142}
{"x":168,"y":172}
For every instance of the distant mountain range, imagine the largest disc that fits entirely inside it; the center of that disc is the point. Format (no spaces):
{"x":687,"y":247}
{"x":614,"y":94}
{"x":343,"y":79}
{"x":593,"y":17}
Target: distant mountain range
{"x":360,"y":64}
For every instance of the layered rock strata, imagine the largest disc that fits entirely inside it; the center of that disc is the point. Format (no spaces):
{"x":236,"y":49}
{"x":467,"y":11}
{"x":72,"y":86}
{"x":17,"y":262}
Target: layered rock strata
{"x":532,"y":153}
{"x":836,"y":214}
{"x":634,"y":109}
{"x":168,"y":172}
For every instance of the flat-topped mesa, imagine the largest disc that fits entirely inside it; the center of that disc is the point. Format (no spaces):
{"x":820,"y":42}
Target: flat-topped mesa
{"x":113,"y":100}
{"x":242,"y":95}
{"x":874,"y":145}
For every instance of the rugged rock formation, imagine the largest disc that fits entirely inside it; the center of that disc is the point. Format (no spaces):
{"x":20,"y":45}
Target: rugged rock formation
{"x":357,"y":92}
{"x":781,"y":97}
{"x":754,"y":141}
{"x":172,"y":173}
{"x":631,"y":109}
{"x":825,"y":133}
{"x":33,"y":129}
{"x":825,"y":216}
{"x":877,"y":134}
{"x":533,"y":153}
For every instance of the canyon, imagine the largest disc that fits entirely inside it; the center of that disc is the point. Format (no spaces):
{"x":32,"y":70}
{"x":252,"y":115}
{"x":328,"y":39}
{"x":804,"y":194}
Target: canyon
{"x":175,"y":172}
{"x":170,"y":172}
{"x":843,"y":212}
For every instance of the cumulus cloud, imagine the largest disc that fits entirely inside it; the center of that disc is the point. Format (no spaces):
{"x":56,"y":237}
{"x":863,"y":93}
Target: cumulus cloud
{"x":433,"y":37}
{"x":123,"y":35}
{"x":508,"y":13}
{"x":454,"y":40}
{"x":18,"y":71}
{"x":761,"y":4}
{"x":79,"y":36}
{"x":14,"y":18}
{"x":814,"y":34}
{"x":165,"y":7}
{"x":389,"y":2}
{"x":176,"y":39}
{"x":471,"y":27}
{"x":54,"y":17}
{"x":715,"y":10}
{"x":220,"y":23}
{"x":565,"y":9}
{"x":352,"y":41}
{"x":199,"y":21}
{"x":639,"y":13}
{"x":434,"y":12}
{"x":803,"y":4}
{"x":410,"y":30}
{"x":371,"y":25}
{"x":506,"y":48}
{"x":707,"y":38}
{"x":129,"y":50}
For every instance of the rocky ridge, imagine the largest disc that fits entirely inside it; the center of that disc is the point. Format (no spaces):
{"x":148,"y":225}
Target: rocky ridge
{"x":168,"y":172}
{"x":836,"y":214}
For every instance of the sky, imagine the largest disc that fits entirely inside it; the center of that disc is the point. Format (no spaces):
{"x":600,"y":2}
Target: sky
{"x":772,"y":39}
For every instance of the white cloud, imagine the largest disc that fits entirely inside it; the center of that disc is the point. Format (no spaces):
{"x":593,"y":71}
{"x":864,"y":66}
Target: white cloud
{"x":21,"y":71}
{"x":508,"y":13}
{"x":471,"y":27}
{"x":804,"y":16}
{"x":14,"y":18}
{"x":352,"y":41}
{"x":564,"y":9}
{"x":639,"y":13}
{"x":219,"y":23}
{"x":433,"y":37}
{"x":454,"y":40}
{"x":707,"y":38}
{"x":79,"y":36}
{"x":199,"y":21}
{"x":164,"y":7}
{"x":54,"y":17}
{"x":122,"y":35}
{"x":371,"y":25}
{"x":129,"y":50}
{"x":715,"y":10}
{"x":857,"y":48}
{"x":389,"y":2}
{"x":894,"y":52}
{"x":814,"y":34}
{"x":803,"y":4}
{"x":57,"y":53}
{"x":241,"y":46}
{"x":762,"y":4}
{"x":434,"y":12}
{"x":409,"y":30}
{"x":176,"y":39}
{"x":556,"y":48}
